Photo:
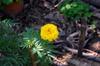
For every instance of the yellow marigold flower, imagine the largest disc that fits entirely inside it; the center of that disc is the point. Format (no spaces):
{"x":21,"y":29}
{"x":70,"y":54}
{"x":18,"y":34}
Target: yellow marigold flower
{"x":49,"y":32}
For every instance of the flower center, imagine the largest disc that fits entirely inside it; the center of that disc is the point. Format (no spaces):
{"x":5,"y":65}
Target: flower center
{"x":49,"y":31}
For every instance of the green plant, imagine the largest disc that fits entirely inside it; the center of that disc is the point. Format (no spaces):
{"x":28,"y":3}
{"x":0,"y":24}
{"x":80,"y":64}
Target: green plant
{"x":43,"y":50}
{"x":75,"y":10}
{"x":6,"y":1}
{"x":11,"y":52}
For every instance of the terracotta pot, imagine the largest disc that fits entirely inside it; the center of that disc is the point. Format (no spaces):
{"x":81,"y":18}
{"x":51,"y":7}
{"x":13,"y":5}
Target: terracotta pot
{"x":14,"y":8}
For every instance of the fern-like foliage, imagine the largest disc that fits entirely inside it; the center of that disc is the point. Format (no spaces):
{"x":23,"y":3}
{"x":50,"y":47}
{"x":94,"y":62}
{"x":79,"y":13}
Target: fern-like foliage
{"x":43,"y":50}
{"x":11,"y":52}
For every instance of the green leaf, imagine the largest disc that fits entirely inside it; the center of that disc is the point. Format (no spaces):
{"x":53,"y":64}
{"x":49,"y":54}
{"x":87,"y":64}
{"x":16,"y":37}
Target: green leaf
{"x":74,"y":10}
{"x":7,"y":1}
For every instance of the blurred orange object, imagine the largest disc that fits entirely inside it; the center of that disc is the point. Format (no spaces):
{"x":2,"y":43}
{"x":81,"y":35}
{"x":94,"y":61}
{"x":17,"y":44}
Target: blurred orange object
{"x":14,"y":8}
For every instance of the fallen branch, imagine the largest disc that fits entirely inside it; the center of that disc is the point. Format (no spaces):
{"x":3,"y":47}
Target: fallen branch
{"x":87,"y":54}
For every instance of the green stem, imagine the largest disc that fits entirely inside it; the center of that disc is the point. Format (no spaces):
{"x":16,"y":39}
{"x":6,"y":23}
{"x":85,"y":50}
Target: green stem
{"x":32,"y":57}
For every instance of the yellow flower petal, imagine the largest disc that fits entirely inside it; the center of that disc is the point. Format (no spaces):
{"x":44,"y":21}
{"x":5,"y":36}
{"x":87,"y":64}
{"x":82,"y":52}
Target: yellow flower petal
{"x":49,"y":32}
